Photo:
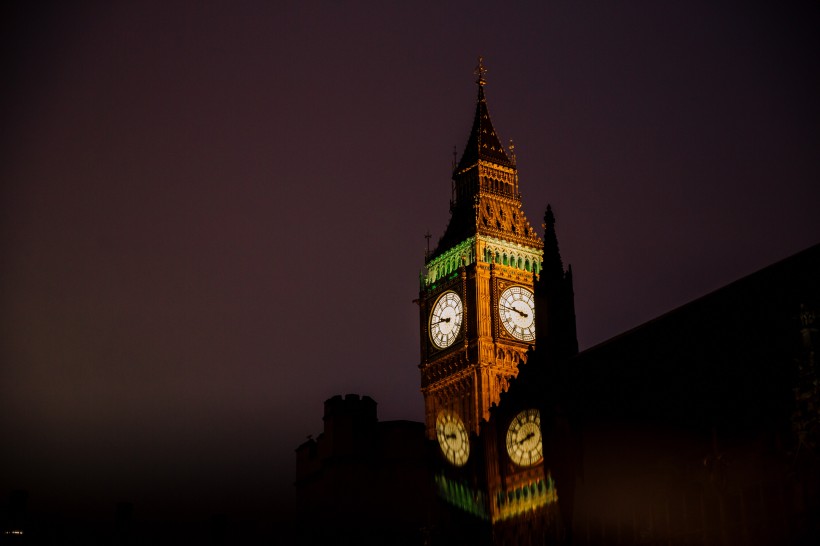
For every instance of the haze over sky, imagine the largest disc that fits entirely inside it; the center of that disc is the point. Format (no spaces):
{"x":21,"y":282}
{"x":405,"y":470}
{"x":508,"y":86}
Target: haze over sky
{"x":213,"y":212}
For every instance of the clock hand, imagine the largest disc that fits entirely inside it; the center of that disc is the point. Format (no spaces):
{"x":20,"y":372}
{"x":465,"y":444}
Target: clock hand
{"x":516,"y":310}
{"x":443,"y":320}
{"x":527,"y":437}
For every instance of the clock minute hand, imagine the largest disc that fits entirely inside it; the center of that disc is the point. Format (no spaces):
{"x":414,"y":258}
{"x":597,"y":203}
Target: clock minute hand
{"x":516,"y":310}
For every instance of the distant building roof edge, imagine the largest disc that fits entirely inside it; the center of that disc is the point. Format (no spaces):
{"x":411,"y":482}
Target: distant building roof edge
{"x":699,"y":300}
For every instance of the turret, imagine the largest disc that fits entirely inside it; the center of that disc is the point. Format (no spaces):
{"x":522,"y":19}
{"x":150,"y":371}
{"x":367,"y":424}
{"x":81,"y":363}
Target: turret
{"x":349,"y":423}
{"x":555,"y":328}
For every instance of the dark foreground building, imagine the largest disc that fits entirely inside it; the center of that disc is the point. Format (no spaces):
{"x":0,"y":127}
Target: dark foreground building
{"x":362,"y":481}
{"x":699,"y":427}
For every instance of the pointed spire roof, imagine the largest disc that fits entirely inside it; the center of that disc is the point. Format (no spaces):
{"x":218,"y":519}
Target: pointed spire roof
{"x":486,"y":201}
{"x":483,"y":142}
{"x":553,"y":266}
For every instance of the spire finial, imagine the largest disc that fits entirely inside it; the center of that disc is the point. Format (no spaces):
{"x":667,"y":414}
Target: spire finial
{"x":480,"y":71}
{"x":512,"y":151}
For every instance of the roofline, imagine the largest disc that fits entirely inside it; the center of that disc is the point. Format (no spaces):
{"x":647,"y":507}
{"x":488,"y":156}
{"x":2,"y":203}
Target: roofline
{"x":617,"y":337}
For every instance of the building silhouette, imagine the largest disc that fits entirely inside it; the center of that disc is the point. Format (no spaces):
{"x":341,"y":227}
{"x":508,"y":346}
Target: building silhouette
{"x":362,"y":481}
{"x":698,"y":427}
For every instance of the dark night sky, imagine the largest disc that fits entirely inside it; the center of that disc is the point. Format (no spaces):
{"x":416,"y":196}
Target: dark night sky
{"x":213,"y":214}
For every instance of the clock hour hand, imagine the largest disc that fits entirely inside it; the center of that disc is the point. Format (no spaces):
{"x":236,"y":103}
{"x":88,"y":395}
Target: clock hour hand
{"x":527,"y":437}
{"x":516,"y":310}
{"x":442,"y":320}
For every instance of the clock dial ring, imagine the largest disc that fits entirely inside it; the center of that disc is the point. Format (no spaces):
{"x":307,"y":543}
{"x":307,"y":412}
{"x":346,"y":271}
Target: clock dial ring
{"x":524,"y":442}
{"x":445,"y":319}
{"x":516,"y":309}
{"x":452,"y":438}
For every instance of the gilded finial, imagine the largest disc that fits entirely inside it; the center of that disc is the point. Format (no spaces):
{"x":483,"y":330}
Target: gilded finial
{"x":480,"y":71}
{"x":512,"y":151}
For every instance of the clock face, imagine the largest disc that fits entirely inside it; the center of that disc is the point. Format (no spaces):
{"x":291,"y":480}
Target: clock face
{"x":516,"y":307}
{"x":452,"y":438}
{"x":524,"y":438}
{"x":445,"y":320}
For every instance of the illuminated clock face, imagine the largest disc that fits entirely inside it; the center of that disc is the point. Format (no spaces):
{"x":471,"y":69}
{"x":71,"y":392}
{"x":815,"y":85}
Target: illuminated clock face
{"x":524,"y":438}
{"x":516,"y":307}
{"x":445,"y":320}
{"x":452,"y":438}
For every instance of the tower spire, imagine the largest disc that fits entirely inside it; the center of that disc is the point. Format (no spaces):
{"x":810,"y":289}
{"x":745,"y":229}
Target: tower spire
{"x":553,"y":266}
{"x":480,"y":70}
{"x":485,"y":193}
{"x":483,"y":142}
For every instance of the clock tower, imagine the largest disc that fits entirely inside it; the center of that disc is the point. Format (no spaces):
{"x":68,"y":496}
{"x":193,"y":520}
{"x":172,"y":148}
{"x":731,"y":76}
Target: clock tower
{"x":476,"y":297}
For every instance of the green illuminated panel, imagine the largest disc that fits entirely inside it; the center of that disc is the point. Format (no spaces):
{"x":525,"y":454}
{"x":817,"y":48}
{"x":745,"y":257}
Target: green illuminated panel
{"x":511,"y":254}
{"x":526,"y":498}
{"x":445,"y":266}
{"x":462,"y":496}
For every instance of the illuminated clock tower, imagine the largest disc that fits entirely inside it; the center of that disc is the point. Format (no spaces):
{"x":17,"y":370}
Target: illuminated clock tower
{"x":476,"y":296}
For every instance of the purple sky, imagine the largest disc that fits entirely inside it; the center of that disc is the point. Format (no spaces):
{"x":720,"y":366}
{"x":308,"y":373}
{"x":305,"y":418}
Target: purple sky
{"x":213,"y":214}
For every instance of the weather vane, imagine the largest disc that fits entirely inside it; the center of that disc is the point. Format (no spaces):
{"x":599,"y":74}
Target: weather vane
{"x":480,"y":71}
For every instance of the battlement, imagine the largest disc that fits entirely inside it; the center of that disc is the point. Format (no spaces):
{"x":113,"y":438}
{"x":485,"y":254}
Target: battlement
{"x":351,"y":407}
